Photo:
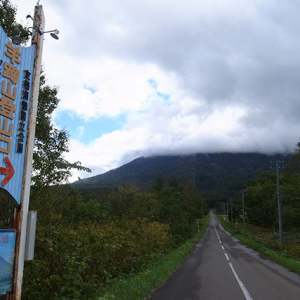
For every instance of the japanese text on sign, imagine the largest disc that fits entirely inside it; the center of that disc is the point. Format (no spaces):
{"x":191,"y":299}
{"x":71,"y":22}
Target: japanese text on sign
{"x":9,"y":92}
{"x":16,"y":69}
{"x":4,"y":239}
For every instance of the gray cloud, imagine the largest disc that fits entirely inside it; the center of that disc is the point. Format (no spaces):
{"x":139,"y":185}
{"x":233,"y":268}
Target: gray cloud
{"x":224,"y":54}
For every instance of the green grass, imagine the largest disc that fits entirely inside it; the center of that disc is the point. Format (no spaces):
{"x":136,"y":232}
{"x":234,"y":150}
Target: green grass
{"x":263,"y":242}
{"x":140,"y":286}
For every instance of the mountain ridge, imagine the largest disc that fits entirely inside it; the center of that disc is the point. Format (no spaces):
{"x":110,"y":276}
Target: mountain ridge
{"x":209,"y":171}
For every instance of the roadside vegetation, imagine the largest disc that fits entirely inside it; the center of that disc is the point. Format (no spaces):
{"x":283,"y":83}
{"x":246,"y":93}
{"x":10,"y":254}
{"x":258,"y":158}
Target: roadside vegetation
{"x":84,"y":245}
{"x":266,"y":242}
{"x":261,"y":230}
{"x":139,"y":286}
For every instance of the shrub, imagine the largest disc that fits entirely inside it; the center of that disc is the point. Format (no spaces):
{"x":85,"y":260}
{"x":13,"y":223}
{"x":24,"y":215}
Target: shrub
{"x":75,"y":263}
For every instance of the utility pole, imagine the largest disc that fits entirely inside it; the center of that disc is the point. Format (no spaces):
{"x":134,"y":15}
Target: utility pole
{"x":231,"y":209}
{"x":277,"y":162}
{"x":193,"y":161}
{"x":243,"y":207}
{"x":279,"y":203}
{"x":227,"y":210}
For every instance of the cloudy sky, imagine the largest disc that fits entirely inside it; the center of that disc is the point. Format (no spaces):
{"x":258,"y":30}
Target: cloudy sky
{"x":148,"y":77}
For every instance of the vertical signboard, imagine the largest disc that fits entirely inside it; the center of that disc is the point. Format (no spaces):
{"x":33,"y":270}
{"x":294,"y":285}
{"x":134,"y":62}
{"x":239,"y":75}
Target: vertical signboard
{"x":7,"y":255}
{"x":16,"y":68}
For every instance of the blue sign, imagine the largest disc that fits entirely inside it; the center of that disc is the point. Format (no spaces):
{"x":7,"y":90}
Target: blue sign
{"x":7,"y":256}
{"x":16,"y":68}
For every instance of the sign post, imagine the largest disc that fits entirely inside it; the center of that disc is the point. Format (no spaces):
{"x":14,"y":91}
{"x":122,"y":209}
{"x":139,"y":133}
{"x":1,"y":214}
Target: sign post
{"x":24,"y":145}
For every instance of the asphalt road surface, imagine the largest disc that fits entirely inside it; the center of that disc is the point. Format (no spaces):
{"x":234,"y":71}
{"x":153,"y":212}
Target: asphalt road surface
{"x":221,"y":268}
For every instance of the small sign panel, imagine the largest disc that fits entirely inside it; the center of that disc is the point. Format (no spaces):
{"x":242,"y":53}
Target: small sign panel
{"x":16,"y":68}
{"x":7,"y":257}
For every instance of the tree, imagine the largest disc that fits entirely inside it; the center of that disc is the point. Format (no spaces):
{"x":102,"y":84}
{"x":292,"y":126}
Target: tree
{"x":193,"y":197}
{"x":261,"y":200}
{"x":8,"y":21}
{"x":290,"y":190}
{"x":261,"y":195}
{"x":129,"y":202}
{"x":158,"y":183}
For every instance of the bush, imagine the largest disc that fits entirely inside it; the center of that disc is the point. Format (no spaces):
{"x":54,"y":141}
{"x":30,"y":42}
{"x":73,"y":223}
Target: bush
{"x":75,"y":263}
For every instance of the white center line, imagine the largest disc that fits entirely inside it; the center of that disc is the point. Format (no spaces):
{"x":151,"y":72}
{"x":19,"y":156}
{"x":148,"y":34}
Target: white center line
{"x":242,"y":286}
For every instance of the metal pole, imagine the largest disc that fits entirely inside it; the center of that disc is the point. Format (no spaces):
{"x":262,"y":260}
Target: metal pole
{"x":231,"y":209}
{"x":279,"y":203}
{"x":21,"y":213}
{"x":243,"y":205}
{"x":227,"y":210}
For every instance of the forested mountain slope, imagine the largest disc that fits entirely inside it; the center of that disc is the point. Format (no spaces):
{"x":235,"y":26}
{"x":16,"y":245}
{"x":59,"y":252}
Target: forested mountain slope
{"x":210,"y":172}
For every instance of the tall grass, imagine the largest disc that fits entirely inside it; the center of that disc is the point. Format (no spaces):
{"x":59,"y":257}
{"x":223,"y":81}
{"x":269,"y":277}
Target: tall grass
{"x":266,"y":242}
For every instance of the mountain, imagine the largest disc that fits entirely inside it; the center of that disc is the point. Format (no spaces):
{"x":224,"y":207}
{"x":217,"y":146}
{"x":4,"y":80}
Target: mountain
{"x":211,"y":173}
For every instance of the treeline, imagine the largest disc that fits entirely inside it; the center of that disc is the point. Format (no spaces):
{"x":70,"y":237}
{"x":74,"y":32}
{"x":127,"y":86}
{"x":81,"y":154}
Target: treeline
{"x":261,"y":200}
{"x":261,"y":195}
{"x":87,"y":240}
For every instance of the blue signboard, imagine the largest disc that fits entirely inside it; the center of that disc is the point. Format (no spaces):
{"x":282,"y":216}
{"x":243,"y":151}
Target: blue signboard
{"x":7,"y":256}
{"x":16,"y":68}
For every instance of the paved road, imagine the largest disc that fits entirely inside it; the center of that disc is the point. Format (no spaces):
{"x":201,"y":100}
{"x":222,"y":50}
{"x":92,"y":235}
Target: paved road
{"x":221,"y":268}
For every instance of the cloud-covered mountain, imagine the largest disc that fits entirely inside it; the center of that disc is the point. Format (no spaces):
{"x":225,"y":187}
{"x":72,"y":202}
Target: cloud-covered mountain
{"x":209,"y":172}
{"x":173,"y":77}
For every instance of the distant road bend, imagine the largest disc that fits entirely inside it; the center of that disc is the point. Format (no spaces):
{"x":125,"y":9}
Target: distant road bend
{"x":221,"y":268}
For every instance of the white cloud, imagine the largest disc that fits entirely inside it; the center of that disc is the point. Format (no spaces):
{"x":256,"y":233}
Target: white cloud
{"x":117,"y":87}
{"x":217,"y":75}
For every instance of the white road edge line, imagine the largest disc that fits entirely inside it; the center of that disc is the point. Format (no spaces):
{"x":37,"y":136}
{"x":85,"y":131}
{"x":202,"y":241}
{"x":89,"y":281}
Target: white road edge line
{"x":222,"y":247}
{"x":226,"y":256}
{"x":242,"y":286}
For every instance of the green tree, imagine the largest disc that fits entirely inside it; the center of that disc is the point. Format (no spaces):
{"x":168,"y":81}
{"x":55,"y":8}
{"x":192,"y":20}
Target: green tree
{"x":158,"y":183}
{"x":194,"y":198}
{"x":261,"y":200}
{"x":176,"y":211}
{"x":261,"y":195}
{"x":129,"y":202}
{"x":290,"y":190}
{"x":8,"y":21}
